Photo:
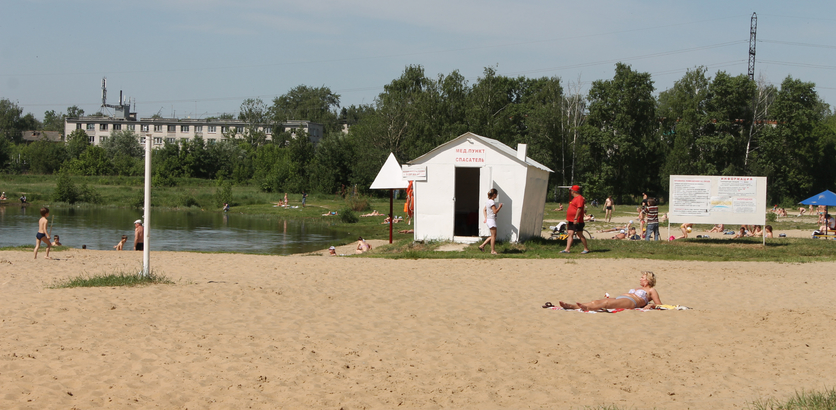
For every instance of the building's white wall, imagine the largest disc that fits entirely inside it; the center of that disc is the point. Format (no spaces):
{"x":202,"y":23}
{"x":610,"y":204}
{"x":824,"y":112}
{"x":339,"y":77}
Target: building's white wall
{"x":536,"y":189}
{"x":315,"y":131}
{"x":434,"y":204}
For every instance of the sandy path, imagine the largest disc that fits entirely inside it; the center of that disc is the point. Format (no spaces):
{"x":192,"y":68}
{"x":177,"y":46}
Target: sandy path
{"x":291,"y":332}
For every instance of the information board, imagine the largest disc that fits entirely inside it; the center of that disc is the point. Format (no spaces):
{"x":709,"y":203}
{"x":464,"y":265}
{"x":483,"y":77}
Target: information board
{"x":711,"y":199}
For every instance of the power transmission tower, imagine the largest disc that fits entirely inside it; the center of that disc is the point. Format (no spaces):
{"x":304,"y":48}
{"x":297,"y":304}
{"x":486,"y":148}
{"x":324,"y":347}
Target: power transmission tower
{"x":753,"y":32}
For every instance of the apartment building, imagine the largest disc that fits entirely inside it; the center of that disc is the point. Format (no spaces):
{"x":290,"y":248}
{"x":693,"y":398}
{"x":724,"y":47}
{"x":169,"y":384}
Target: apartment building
{"x":173,"y":130}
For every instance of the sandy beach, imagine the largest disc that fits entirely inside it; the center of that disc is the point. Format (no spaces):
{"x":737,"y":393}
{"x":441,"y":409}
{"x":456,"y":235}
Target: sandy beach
{"x":250,"y":331}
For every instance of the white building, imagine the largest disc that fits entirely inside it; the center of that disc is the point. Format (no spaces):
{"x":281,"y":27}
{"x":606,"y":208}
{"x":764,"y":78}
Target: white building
{"x":449,"y":202}
{"x":173,"y":130}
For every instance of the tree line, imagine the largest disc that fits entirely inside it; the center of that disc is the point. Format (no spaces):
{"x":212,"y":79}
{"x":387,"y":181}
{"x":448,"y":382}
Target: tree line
{"x":619,"y":139}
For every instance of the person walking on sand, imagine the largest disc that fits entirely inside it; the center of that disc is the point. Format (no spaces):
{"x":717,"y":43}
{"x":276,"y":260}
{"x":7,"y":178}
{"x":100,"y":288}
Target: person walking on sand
{"x":608,"y":204}
{"x":43,"y":234}
{"x":574,"y":219}
{"x":139,"y":239}
{"x":490,"y":212}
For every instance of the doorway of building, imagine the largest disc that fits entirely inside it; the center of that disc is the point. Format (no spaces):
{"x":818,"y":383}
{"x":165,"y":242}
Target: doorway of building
{"x":466,"y":220}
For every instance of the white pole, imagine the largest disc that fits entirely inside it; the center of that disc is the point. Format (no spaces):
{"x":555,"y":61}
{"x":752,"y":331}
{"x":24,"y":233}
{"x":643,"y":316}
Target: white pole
{"x":146,"y":248}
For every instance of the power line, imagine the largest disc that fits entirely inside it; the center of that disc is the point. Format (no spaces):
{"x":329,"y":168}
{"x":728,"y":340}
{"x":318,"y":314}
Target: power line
{"x":792,"y":43}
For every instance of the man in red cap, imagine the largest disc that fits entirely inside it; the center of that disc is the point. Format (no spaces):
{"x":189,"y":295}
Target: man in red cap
{"x":574,"y":219}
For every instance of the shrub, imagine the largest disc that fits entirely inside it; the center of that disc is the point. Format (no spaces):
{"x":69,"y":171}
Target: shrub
{"x":188,"y":201}
{"x":357,"y":203}
{"x":89,"y":195}
{"x":159,"y":180}
{"x":771,"y":217}
{"x":65,"y":189}
{"x":223,"y":192}
{"x":347,"y":215}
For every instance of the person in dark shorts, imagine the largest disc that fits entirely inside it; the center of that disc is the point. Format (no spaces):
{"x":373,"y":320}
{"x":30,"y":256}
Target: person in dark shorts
{"x":43,"y":233}
{"x":574,"y":219}
{"x":139,"y":235}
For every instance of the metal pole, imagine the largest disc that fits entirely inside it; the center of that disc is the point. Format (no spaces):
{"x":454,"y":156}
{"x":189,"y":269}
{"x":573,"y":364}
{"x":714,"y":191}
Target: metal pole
{"x":391,"y":215}
{"x":146,"y":247}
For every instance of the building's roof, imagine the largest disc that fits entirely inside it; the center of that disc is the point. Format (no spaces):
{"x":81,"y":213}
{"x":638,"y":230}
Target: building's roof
{"x":183,"y":121}
{"x":498,"y":146}
{"x":32,"y":136}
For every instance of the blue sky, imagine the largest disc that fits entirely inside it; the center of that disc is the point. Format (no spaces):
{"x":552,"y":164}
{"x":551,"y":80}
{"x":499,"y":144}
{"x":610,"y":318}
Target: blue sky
{"x":191,"y":58}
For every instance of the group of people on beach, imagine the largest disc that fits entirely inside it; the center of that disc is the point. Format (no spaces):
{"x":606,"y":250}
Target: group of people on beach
{"x":44,"y":230}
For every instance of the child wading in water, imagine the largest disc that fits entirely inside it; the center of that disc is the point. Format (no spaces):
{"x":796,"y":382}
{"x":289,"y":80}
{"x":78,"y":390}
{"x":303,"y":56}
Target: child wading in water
{"x":121,"y":243}
{"x":43,"y":234}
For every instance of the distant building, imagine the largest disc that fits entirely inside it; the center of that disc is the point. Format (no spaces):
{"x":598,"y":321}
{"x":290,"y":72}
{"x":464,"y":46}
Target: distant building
{"x":173,"y":130}
{"x":32,"y":136}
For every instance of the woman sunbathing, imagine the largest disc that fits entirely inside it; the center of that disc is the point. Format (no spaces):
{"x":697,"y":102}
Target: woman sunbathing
{"x":643,"y":296}
{"x":374,"y":213}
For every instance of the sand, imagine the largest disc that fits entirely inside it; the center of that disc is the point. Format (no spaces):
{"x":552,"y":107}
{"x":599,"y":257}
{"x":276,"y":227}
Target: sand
{"x":250,"y":331}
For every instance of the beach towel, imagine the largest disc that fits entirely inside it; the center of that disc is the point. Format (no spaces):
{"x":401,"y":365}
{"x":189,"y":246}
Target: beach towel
{"x":659,"y":307}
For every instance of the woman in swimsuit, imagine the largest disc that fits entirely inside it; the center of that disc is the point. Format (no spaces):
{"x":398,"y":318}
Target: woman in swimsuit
{"x":636,"y":298}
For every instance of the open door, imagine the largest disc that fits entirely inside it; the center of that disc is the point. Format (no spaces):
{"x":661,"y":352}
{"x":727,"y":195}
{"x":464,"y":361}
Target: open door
{"x":485,"y":185}
{"x":466,"y":216}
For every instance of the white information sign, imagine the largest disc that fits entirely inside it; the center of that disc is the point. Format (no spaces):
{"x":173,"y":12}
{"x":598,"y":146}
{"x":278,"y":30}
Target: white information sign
{"x":414,"y":172}
{"x":713,"y":199}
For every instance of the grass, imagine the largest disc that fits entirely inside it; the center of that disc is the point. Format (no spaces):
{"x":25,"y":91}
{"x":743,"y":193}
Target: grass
{"x":825,"y":400}
{"x":785,"y":250}
{"x":112,"y":279}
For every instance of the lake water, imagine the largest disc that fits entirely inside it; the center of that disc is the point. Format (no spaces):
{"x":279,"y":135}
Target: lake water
{"x":102,"y":228}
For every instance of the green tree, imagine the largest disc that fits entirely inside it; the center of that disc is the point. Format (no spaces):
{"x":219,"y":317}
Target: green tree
{"x":123,"y":143}
{"x":256,"y":114}
{"x":74,"y":112}
{"x":787,"y":154}
{"x":683,"y":116}
{"x":44,"y":157}
{"x":54,"y":121}
{"x":620,"y":131}
{"x":93,"y":161}
{"x":316,"y":104}
{"x":10,"y":120}
{"x":77,"y":143}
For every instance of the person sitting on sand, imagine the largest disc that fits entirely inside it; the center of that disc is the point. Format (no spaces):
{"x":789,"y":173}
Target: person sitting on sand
{"x":373,"y":213}
{"x":362,"y":246}
{"x":782,"y":212}
{"x":386,"y":220}
{"x":55,"y":241}
{"x":829,"y":224}
{"x":742,"y":233}
{"x":718,"y":228}
{"x":624,"y":228}
{"x":332,"y":251}
{"x":686,"y":229}
{"x":757,"y":231}
{"x":643,"y":296}
{"x":119,"y":246}
{"x":768,"y":229}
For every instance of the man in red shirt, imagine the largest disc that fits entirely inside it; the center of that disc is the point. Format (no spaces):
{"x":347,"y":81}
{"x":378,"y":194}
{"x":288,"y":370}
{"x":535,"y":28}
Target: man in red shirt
{"x":574,"y":219}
